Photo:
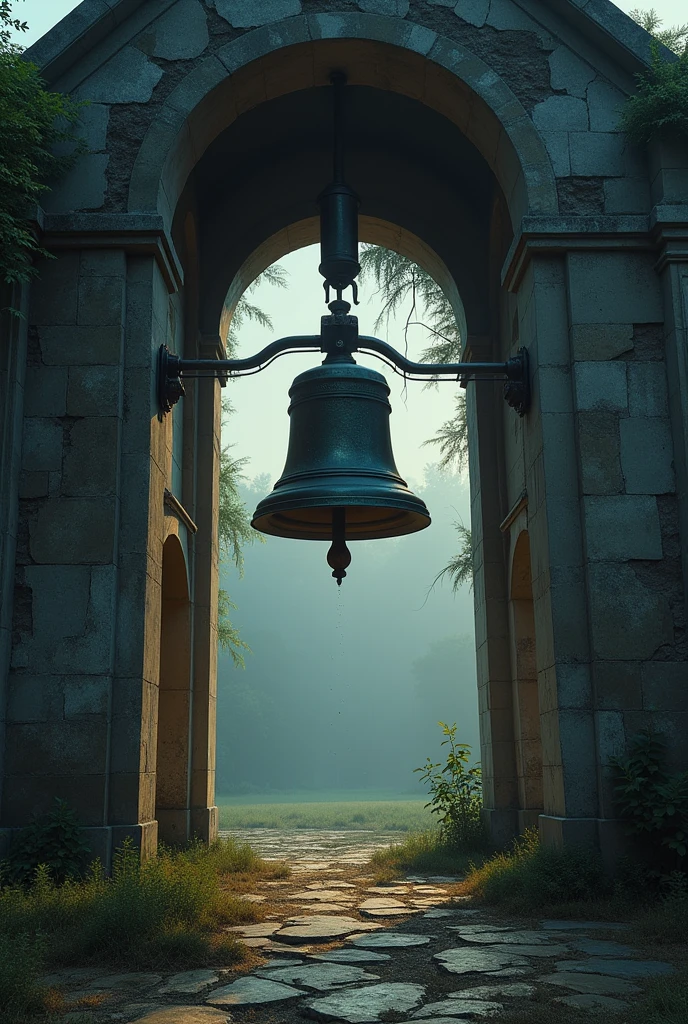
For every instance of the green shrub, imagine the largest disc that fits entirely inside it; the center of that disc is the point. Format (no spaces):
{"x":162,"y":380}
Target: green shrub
{"x":424,"y":852}
{"x":456,"y":794}
{"x":21,"y":961}
{"x":660,"y":105}
{"x":531,"y":877}
{"x":55,"y":840}
{"x":653,"y":801}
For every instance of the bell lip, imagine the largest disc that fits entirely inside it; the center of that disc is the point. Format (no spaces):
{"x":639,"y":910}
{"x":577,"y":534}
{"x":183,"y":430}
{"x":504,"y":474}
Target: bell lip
{"x":417,"y":518}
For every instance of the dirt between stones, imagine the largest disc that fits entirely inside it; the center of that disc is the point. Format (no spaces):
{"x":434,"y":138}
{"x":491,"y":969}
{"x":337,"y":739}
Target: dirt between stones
{"x":523,"y":983}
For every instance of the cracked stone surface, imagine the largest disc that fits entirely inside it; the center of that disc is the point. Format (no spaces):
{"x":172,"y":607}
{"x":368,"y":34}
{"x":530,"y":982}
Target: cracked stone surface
{"x":389,"y":940}
{"x":321,"y":977}
{"x":320,"y":929}
{"x":440,"y":913}
{"x":252,"y":991}
{"x":326,"y":895}
{"x":590,"y":984}
{"x":190,"y":982}
{"x":256,"y":931}
{"x":333,"y":884}
{"x":502,"y":937}
{"x":351,"y":956}
{"x":515,"y":990}
{"x":477,"y":961}
{"x":593,"y":1002}
{"x":365,"y":1005}
{"x":186,"y":1015}
{"x":618,"y":968}
{"x":465,"y":1008}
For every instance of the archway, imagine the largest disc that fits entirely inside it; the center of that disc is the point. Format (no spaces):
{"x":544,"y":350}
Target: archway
{"x":172,"y":763}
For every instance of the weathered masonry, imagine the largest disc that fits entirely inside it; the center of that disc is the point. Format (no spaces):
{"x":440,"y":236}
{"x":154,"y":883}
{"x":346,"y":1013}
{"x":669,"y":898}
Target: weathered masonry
{"x":483,"y":142}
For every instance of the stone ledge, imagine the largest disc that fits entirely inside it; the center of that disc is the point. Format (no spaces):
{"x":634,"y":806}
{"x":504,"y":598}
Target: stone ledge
{"x":133,"y":232}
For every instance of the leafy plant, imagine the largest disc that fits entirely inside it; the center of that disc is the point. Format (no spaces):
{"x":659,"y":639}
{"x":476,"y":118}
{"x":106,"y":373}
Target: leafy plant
{"x":456,"y":794}
{"x":54,"y":840}
{"x":653,"y":801}
{"x":674,"y":38}
{"x":660,"y":105}
{"x":32,"y":121}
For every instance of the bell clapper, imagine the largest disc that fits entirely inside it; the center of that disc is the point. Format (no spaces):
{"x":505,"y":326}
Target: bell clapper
{"x":339,"y":556}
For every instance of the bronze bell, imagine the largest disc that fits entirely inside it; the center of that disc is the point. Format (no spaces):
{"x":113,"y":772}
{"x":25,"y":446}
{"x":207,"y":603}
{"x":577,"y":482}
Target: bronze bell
{"x":340,"y":481}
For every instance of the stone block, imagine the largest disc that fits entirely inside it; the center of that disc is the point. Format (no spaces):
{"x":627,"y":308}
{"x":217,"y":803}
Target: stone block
{"x":42,"y":444}
{"x":475,"y":12}
{"x":597,"y":154}
{"x":54,"y":292}
{"x":33,"y":698}
{"x":179,"y":34}
{"x":92,"y":126}
{"x":34,"y":485}
{"x":35,"y":794}
{"x":103,"y":263}
{"x":91,"y":457}
{"x":577,"y":741}
{"x":601,"y":386}
{"x":555,"y":390}
{"x":45,"y":391}
{"x":58,"y":748}
{"x":605,"y":103}
{"x":557,"y":144}
{"x":93,"y":391}
{"x":599,"y":446}
{"x":568,"y":73}
{"x":618,"y":685}
{"x":626,"y":619}
{"x":614,"y":288}
{"x":572,"y":686}
{"x":127,"y":744}
{"x":507,"y":16}
{"x":89,"y":346}
{"x":101,"y":302}
{"x":128,"y":77}
{"x":622,"y":527}
{"x":53,"y":617}
{"x":86,"y":695}
{"x":647,"y":455}
{"x":387,"y":8}
{"x":248,"y":14}
{"x":74,"y":531}
{"x":626,"y":195}
{"x":82,"y":188}
{"x":665,"y":686}
{"x":647,"y":389}
{"x":561,"y":114}
{"x":600,"y":341}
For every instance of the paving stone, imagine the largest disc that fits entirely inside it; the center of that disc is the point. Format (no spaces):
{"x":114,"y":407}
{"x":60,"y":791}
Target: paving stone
{"x":316,"y":894}
{"x":321,"y":977}
{"x":320,"y":929}
{"x":441,"y":913}
{"x":184,"y":1015}
{"x":593,"y":983}
{"x":477,"y":961}
{"x":135,"y":979}
{"x":540,"y":949}
{"x":70,"y":976}
{"x":597,"y":947}
{"x":515,"y":990}
{"x":252,"y":991}
{"x":190,"y":982}
{"x":573,"y":926}
{"x":464,"y":1008}
{"x":284,"y":962}
{"x":510,"y":972}
{"x":255,"y":931}
{"x":389,"y":940}
{"x":351,"y":956}
{"x":592,"y":1002}
{"x":364,"y":1005}
{"x":505,"y":937}
{"x":333,"y":884}
{"x":443,"y":879}
{"x":381,"y":907}
{"x":389,"y":890}
{"x":618,"y":968}
{"x":327,"y":908}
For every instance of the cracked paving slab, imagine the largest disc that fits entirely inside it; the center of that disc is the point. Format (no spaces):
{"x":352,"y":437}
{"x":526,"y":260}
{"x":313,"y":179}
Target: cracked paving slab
{"x":365,"y":1005}
{"x":467,"y":960}
{"x":252,"y":991}
{"x":321,"y":977}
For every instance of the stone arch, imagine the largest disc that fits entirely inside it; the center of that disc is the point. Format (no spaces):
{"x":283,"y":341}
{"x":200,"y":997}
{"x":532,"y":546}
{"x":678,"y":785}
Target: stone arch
{"x":172,"y":764}
{"x":377,"y":51}
{"x":525,"y":698}
{"x":371,"y":229}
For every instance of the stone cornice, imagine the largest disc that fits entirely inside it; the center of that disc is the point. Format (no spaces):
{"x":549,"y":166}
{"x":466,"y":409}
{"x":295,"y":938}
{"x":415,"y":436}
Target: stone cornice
{"x":548,"y":235}
{"x":138,"y":233}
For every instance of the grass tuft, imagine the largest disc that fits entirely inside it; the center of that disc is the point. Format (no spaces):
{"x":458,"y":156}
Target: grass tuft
{"x":421,"y":851}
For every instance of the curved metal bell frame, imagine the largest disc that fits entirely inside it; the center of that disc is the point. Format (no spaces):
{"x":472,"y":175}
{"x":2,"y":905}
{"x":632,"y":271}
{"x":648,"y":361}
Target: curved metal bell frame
{"x":340,"y":456}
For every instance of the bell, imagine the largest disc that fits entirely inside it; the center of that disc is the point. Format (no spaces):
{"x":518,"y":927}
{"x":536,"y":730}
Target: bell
{"x":340,"y":482}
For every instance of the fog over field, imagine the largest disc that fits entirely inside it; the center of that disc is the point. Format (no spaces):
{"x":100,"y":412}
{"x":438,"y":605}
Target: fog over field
{"x":345,"y":686}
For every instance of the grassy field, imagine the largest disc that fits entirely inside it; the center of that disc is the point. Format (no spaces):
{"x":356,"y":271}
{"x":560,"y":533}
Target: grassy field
{"x":393,"y":815}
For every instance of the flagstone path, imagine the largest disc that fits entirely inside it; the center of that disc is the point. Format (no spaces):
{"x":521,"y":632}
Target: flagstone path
{"x":334,"y":946}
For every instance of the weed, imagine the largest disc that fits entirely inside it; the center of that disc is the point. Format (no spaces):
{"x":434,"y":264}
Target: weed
{"x":55,"y":840}
{"x":421,"y":851}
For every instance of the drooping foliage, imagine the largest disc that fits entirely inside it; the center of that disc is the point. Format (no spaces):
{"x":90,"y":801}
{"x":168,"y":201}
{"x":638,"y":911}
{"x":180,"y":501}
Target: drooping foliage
{"x":32,"y":122}
{"x":234,"y":523}
{"x":398,"y":279}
